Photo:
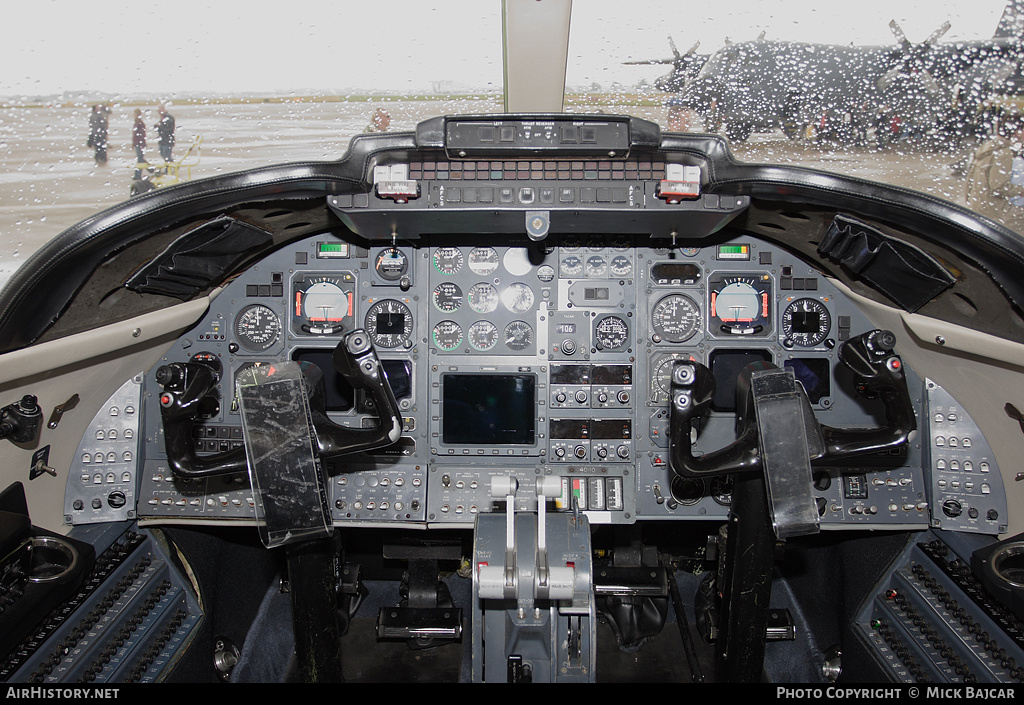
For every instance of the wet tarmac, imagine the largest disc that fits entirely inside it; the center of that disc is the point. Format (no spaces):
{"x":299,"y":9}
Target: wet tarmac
{"x":50,"y":181}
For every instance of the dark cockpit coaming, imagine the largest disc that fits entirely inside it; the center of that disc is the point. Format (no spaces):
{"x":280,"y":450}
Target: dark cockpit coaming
{"x":554,"y":294}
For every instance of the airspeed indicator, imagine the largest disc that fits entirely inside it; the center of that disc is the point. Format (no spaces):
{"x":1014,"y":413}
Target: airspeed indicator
{"x":674,"y":319}
{"x":257,"y":327}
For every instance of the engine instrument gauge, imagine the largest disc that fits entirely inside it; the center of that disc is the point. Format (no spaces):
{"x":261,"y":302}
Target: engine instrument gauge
{"x":621,"y":266}
{"x":483,"y":260}
{"x":518,"y":298}
{"x":611,"y":333}
{"x":740,"y":304}
{"x":257,"y":327}
{"x":597,"y":266}
{"x":448,"y":260}
{"x":391,"y":264}
{"x":447,"y":335}
{"x":570,"y":266}
{"x":321,"y":304}
{"x":447,"y":297}
{"x":483,"y":297}
{"x":482,"y":335}
{"x":389,"y":323}
{"x":805,"y":322}
{"x":674,"y":319}
{"x":518,"y":335}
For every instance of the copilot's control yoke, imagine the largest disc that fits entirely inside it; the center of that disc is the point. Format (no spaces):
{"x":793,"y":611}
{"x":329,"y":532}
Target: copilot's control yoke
{"x":777,"y":432}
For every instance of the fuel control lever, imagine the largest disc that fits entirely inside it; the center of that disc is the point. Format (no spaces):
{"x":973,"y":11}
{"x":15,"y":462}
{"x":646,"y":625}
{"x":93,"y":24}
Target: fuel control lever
{"x":186,"y":384}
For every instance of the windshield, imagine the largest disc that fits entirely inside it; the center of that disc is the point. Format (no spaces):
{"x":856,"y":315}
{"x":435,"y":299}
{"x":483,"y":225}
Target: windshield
{"x":92,"y":95}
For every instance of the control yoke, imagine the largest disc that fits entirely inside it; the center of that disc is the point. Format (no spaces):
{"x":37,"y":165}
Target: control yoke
{"x":186,"y":385}
{"x":777,"y":432}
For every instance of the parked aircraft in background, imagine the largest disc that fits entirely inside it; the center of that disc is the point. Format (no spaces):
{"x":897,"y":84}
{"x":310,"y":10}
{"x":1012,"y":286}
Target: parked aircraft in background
{"x":921,"y":91}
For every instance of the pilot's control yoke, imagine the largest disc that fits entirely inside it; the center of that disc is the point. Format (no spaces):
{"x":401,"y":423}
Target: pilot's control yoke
{"x":185,"y":386}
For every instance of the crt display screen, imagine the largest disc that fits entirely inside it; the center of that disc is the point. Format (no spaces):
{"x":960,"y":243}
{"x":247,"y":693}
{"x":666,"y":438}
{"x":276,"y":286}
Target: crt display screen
{"x":488,"y":409}
{"x":726,"y":366}
{"x":340,"y":395}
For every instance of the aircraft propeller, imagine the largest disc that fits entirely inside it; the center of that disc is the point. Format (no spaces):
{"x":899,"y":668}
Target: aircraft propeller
{"x":914,"y":59}
{"x":685,"y":66}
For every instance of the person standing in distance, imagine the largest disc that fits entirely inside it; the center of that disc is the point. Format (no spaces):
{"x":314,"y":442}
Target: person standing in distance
{"x":165,"y":130}
{"x":139,"y":137}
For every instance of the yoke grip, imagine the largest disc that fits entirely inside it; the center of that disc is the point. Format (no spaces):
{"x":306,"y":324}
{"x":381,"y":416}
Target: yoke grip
{"x":877,"y":373}
{"x":186,"y":384}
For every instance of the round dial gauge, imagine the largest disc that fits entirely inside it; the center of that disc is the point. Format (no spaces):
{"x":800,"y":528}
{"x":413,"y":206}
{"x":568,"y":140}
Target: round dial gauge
{"x":721,"y":489}
{"x":389,"y":323}
{"x":545,"y":273}
{"x":570,"y":243}
{"x":257,"y":327}
{"x":447,"y":297}
{"x":621,"y":266}
{"x":687,"y":490}
{"x":740,"y":304}
{"x":482,"y":335}
{"x":611,"y":333}
{"x":518,"y":298}
{"x":806,"y":322}
{"x":675,"y":318}
{"x":483,"y":260}
{"x":518,"y":335}
{"x":571,"y":266}
{"x":391,"y":264}
{"x":448,"y":260}
{"x":447,"y":335}
{"x":597,"y":266}
{"x":483,"y":297}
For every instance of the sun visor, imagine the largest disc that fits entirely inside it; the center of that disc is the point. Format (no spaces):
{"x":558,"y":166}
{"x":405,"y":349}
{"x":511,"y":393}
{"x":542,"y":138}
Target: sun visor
{"x":904,"y":273}
{"x":200,"y":258}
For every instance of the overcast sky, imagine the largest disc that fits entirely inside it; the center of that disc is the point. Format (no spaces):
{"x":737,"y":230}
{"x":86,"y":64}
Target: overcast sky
{"x":52,"y":46}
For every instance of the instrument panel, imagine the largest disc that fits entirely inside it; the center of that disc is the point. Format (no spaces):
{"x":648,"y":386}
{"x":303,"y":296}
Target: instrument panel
{"x":526,"y":359}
